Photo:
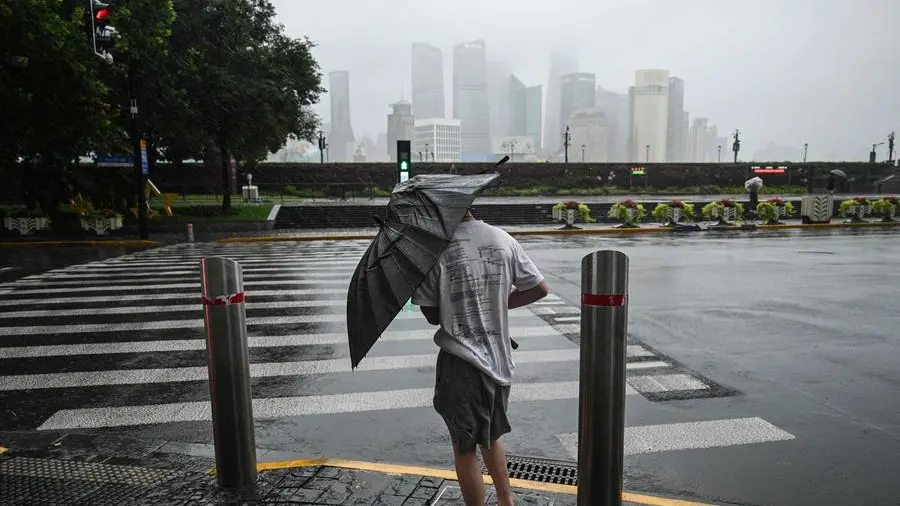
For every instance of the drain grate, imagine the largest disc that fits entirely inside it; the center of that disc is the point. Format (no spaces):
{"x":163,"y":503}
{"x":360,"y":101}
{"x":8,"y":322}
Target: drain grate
{"x":541,"y":470}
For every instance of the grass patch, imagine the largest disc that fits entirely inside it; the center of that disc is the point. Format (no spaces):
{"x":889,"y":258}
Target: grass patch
{"x":213,"y":213}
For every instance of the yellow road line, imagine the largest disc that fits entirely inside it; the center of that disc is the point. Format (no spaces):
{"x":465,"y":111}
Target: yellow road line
{"x":122,"y":243}
{"x":451,"y":475}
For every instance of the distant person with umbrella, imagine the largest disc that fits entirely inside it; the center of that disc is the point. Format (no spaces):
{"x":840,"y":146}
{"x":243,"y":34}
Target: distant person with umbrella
{"x":753,"y":185}
{"x":469,"y":293}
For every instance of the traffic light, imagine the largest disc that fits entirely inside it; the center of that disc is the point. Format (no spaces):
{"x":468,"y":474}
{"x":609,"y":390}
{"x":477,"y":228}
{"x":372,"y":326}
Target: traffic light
{"x":404,"y":159}
{"x":102,"y":34}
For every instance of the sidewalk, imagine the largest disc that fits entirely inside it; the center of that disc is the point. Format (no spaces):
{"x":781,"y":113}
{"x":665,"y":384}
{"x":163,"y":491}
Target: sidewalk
{"x":107,"y":470}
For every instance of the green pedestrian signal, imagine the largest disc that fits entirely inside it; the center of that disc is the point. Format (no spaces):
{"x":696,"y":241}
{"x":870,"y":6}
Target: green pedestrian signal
{"x":404,"y":153}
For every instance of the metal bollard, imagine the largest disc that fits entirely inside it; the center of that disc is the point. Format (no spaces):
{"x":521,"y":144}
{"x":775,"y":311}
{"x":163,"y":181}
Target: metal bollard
{"x":601,"y":411}
{"x":190,"y":232}
{"x":229,"y":371}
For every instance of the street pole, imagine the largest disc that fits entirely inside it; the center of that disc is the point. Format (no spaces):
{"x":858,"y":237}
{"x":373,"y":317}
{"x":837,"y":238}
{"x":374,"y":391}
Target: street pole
{"x":647,"y":147}
{"x":601,"y":409}
{"x":225,"y":319}
{"x":566,"y":143}
{"x":805,"y":148}
{"x":719,"y":156}
{"x":322,"y":147}
{"x":139,"y":149}
{"x":582,"y":153}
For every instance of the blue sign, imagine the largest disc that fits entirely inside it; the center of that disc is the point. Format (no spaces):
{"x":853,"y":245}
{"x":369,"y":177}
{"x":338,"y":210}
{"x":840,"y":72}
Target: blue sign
{"x":145,"y":168}
{"x":115,"y":161}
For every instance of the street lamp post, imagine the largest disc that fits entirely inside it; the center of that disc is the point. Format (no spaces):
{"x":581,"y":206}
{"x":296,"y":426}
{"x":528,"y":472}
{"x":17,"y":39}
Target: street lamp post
{"x":426,"y":151}
{"x":647,"y":148}
{"x":582,"y":153}
{"x":719,"y":156}
{"x":805,"y":148}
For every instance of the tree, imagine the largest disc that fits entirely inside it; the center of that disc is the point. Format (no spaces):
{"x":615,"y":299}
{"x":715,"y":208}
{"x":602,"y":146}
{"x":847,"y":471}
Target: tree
{"x":50,"y":95}
{"x":248,"y":84}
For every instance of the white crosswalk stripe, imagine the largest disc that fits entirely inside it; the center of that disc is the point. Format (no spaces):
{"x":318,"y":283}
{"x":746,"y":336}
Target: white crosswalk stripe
{"x":93,"y":342}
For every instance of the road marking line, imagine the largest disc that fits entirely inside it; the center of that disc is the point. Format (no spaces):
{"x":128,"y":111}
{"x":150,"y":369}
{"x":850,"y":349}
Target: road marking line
{"x":253,"y":279}
{"x":667,"y":383}
{"x":148,"y":273}
{"x":175,"y":308}
{"x":193,"y":323}
{"x":280,"y":407}
{"x":691,"y":436}
{"x":8,"y":352}
{"x":171,"y":296}
{"x":137,"y":288}
{"x":257,"y":370}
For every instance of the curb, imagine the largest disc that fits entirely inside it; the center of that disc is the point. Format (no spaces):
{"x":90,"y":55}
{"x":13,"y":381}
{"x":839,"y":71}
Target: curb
{"x":447,"y":474}
{"x":123,"y":242}
{"x":563,"y":231}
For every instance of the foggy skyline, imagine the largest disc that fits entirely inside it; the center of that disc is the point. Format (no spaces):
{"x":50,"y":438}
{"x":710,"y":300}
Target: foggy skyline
{"x":821,"y":72}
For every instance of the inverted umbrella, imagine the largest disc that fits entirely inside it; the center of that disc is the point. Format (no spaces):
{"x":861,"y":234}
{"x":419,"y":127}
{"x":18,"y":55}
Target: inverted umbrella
{"x":753,"y":183}
{"x":421,"y":218}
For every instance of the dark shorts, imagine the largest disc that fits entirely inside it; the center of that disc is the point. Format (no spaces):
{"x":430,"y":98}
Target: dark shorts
{"x":471,"y":403}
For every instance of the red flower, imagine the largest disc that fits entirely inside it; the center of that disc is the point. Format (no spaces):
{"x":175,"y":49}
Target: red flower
{"x":571,"y":204}
{"x":628,"y":203}
{"x":861,"y":200}
{"x":727,"y":202}
{"x":776,"y":200}
{"x":676,"y":203}
{"x":892,"y":200}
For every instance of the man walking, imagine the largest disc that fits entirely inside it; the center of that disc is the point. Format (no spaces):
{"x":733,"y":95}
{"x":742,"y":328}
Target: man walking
{"x":468,"y":294}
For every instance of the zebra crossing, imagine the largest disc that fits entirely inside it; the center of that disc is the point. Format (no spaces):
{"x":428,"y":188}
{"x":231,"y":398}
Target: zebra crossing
{"x":119,"y":343}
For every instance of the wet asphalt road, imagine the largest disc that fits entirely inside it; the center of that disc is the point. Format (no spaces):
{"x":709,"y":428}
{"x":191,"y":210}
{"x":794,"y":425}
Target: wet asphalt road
{"x":763,"y":366}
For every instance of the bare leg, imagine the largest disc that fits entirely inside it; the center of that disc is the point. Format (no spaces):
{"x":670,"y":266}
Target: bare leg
{"x":495,"y":460}
{"x":468,"y":473}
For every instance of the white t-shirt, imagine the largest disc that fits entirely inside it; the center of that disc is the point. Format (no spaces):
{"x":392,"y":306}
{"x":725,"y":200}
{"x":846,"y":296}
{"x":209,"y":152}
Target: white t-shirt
{"x":471,"y":283}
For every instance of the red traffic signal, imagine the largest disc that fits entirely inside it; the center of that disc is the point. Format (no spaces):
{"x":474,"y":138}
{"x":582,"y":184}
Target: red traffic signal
{"x":102,"y":14}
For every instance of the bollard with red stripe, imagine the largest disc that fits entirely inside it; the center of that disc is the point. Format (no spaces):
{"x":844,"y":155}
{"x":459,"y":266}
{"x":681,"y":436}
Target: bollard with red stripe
{"x":228,"y":358}
{"x":601,"y":410}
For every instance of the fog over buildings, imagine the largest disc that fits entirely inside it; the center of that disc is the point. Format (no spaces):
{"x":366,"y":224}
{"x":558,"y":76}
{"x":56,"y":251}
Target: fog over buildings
{"x":634,"y":80}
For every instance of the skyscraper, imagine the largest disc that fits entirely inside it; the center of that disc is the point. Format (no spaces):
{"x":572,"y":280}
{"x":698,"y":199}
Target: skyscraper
{"x":614,"y":107}
{"x":651,"y":115}
{"x":400,"y":125}
{"x":517,"y":105}
{"x":578,"y":92}
{"x":524,"y":111}
{"x":533,"y":117}
{"x":427,"y":81}
{"x":675,"y":131}
{"x":340,"y":139}
{"x":590,"y":136}
{"x":470,"y":99}
{"x":560,"y":64}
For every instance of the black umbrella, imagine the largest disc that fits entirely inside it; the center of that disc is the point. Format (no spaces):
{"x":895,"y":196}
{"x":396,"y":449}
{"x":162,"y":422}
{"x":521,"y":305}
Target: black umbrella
{"x":419,"y":223}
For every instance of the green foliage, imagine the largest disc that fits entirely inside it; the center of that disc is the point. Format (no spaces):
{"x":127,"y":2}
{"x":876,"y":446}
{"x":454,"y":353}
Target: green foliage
{"x":661,"y":211}
{"x":850,"y":208}
{"x":716,"y":210}
{"x":768,"y":210}
{"x":584,"y":212}
{"x":628,"y":211}
{"x":886,"y":207}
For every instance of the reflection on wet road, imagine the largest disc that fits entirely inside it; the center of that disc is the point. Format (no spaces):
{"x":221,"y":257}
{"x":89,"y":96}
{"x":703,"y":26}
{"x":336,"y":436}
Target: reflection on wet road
{"x":760,"y":367}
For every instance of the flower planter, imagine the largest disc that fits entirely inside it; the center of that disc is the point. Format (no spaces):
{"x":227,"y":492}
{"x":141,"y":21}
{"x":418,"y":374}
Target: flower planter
{"x":674,"y":215}
{"x":102,"y":226}
{"x":569,"y":216}
{"x":855,"y":214}
{"x":557,"y":214}
{"x":26,"y":226}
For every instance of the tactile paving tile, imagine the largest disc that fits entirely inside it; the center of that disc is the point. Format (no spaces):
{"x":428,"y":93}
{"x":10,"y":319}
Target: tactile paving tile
{"x":85,"y":471}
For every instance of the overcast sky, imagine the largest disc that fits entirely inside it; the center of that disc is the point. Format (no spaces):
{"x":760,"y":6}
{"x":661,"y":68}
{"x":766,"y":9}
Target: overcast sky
{"x":825,"y":72}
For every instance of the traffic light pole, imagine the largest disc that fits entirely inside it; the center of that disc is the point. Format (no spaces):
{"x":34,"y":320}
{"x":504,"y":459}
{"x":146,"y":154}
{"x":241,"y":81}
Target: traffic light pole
{"x":140,"y":152}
